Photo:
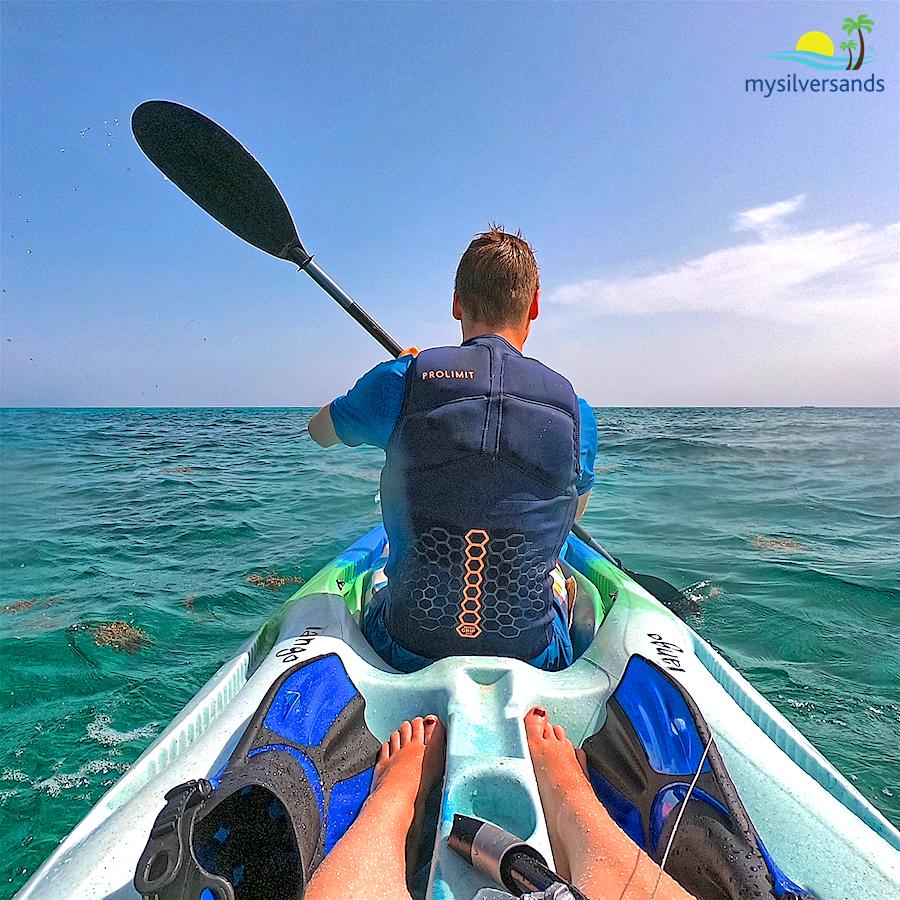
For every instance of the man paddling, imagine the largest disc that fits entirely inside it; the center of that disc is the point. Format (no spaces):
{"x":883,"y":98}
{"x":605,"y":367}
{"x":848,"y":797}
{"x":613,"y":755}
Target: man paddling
{"x":489,"y":460}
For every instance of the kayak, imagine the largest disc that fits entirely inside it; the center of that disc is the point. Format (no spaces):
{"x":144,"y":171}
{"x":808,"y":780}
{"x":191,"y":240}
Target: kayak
{"x":310,"y":678}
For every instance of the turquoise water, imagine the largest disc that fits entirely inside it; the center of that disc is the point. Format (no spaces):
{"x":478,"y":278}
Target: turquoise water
{"x":784,"y":524}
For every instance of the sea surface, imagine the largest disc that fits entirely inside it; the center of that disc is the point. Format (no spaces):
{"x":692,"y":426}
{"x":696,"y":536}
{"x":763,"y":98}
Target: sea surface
{"x":141,"y":547}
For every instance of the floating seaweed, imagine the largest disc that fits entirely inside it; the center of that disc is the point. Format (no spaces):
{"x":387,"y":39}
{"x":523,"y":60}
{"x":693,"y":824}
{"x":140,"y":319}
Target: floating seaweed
{"x":761,"y":542}
{"x":120,"y":636}
{"x":274,"y":581}
{"x":19,"y":605}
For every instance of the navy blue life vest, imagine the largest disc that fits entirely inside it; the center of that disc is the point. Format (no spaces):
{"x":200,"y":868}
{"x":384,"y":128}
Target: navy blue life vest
{"x":479,"y":494}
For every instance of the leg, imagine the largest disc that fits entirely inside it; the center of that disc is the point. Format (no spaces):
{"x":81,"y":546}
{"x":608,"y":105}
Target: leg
{"x":589,"y":848}
{"x":370,"y":859}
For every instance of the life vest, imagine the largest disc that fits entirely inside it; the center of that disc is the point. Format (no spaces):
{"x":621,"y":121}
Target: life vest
{"x":478,"y":495}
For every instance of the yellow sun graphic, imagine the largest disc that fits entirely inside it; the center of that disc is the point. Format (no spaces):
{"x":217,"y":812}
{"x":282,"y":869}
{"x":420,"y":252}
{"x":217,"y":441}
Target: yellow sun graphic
{"x":816,"y":42}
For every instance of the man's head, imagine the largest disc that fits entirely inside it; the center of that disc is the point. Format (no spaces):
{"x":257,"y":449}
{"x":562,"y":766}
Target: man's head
{"x":497,"y":279}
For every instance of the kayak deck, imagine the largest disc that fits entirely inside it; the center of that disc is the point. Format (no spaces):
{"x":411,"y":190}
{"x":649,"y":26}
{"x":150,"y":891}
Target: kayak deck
{"x":824,"y":834}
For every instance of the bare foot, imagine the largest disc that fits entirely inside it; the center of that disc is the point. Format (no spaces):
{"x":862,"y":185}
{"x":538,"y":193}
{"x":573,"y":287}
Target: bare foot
{"x":370,"y":860}
{"x":412,"y":757}
{"x":561,"y":780}
{"x":589,"y":848}
{"x":411,"y":762}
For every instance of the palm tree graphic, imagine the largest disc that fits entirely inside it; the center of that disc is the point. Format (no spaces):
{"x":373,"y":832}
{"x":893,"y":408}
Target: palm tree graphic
{"x":850,"y":46}
{"x":862,"y":22}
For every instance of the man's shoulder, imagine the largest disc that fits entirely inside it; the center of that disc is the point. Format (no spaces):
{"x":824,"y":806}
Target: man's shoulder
{"x":391,"y":367}
{"x":549,"y":373}
{"x":367,"y":413}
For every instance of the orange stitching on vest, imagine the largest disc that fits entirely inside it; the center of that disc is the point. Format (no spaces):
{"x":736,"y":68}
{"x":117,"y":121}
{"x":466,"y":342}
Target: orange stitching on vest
{"x":470,"y":608}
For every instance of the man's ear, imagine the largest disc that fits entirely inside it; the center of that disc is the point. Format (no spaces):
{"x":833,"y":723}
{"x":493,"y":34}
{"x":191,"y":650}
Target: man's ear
{"x":457,"y":307}
{"x":534,"y":309}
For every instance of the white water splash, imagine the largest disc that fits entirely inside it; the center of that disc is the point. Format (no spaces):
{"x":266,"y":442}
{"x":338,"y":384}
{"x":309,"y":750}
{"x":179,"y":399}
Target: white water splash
{"x":101,"y":731}
{"x":56,"y":784}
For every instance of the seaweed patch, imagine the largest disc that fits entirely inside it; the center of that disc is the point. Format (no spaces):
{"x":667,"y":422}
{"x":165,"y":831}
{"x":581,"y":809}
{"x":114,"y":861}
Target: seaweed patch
{"x":274,"y":581}
{"x":761,"y":542}
{"x":120,"y":636}
{"x":19,"y":605}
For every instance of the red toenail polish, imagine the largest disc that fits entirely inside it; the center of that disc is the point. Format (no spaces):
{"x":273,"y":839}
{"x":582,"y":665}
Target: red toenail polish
{"x":430,"y":720}
{"x":540,"y":711}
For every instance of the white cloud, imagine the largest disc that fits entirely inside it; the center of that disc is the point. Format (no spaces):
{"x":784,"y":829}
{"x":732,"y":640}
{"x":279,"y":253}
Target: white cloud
{"x":766,"y":221}
{"x":793,"y":278}
{"x":792,"y":318}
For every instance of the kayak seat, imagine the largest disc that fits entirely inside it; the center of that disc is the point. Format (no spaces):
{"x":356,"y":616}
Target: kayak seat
{"x":294,"y":784}
{"x":588,"y":604}
{"x":642,"y":763}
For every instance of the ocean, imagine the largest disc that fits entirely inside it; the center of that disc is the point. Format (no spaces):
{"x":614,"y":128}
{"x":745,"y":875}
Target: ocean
{"x":140,"y":547}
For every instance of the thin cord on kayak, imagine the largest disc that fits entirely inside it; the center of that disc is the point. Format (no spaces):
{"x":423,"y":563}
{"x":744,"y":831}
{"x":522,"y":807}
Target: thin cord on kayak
{"x":684,"y":804}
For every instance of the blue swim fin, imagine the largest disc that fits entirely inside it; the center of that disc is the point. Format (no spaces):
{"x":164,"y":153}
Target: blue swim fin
{"x":641,"y":764}
{"x":294,"y":784}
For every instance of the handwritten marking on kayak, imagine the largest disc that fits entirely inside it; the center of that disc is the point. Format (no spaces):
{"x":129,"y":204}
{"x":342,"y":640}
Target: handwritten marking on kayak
{"x":666,"y":651}
{"x":470,"y":608}
{"x":300,"y":645}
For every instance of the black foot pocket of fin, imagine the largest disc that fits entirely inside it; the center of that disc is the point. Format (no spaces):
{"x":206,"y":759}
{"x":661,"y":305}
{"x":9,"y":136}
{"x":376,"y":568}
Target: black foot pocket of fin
{"x":294,"y":784}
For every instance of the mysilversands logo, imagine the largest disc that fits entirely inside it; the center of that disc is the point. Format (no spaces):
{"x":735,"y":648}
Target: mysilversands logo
{"x":815,"y":50}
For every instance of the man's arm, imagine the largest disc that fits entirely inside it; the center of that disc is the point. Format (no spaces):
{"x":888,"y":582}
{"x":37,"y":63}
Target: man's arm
{"x":582,"y":504}
{"x":587,"y":454}
{"x":321,"y":428}
{"x":368,"y":412}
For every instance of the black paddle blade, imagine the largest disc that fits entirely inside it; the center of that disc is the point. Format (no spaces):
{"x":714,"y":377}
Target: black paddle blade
{"x":669,"y":595}
{"x":219,"y":174}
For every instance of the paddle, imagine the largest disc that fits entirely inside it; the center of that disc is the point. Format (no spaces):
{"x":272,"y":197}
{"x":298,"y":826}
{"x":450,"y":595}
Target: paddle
{"x":667,"y":594}
{"x":220,"y":175}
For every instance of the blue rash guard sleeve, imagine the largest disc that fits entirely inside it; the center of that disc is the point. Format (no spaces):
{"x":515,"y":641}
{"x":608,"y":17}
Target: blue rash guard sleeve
{"x":589,"y":439}
{"x":368,"y":412}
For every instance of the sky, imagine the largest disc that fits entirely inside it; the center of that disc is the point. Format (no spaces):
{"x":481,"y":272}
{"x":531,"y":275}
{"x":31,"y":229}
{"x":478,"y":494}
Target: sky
{"x":700,"y":244}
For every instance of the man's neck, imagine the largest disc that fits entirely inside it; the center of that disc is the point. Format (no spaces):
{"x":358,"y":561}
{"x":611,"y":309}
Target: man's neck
{"x":515,"y":335}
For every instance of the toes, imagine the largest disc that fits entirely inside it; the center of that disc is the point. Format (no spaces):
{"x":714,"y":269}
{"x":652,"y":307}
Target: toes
{"x":433,"y":729}
{"x":536,"y":722}
{"x":419,"y":731}
{"x":416,"y":730}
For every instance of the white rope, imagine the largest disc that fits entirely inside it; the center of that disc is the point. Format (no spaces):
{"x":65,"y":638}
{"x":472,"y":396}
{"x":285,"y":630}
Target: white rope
{"x":684,"y":804}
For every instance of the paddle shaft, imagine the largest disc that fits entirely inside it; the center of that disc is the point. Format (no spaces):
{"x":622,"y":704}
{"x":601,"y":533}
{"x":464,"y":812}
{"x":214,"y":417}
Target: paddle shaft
{"x":579,"y":532}
{"x":337,"y":293}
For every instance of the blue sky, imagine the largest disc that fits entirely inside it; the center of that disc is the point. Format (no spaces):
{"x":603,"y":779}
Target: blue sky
{"x":699,"y":244}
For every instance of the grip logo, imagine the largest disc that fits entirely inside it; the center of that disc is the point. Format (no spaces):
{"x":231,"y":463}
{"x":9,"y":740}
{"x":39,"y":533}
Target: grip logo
{"x":470,"y":609}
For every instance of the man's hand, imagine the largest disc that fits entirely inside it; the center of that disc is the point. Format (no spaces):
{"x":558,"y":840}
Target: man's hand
{"x":410,"y":351}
